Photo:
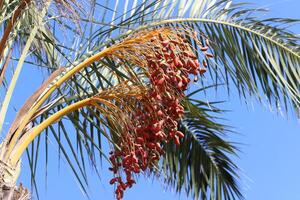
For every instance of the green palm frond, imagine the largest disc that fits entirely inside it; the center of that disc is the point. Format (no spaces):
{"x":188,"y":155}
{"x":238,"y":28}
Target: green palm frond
{"x":259,"y":57}
{"x":201,"y":165}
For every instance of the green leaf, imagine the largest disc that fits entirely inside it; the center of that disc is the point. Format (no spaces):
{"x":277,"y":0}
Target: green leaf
{"x":203,"y":163}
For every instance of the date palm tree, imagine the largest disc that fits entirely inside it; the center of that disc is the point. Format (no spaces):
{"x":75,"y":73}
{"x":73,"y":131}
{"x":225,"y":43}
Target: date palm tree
{"x":116,"y":58}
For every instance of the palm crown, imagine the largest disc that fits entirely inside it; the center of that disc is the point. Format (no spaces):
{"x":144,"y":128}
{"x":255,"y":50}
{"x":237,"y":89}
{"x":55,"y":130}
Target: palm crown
{"x":109,"y":75}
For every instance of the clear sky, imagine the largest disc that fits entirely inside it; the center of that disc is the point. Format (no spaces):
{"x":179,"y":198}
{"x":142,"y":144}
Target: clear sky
{"x":269,"y":157}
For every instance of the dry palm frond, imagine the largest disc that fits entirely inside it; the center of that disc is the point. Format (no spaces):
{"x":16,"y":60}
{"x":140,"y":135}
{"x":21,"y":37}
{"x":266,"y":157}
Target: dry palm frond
{"x":10,"y":25}
{"x":30,"y":101}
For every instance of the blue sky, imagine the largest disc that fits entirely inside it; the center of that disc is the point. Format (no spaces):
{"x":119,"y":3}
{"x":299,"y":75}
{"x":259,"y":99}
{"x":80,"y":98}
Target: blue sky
{"x":269,"y":157}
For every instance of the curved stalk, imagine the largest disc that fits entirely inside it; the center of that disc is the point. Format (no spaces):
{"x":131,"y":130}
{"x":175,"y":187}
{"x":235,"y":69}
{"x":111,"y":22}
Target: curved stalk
{"x":12,"y":138}
{"x":28,"y":138}
{"x":204,"y":20}
{"x":45,"y":96}
{"x":93,"y":101}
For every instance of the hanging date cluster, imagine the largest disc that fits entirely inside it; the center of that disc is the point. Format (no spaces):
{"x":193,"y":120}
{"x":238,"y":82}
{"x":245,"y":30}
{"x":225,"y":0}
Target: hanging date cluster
{"x":170,"y":66}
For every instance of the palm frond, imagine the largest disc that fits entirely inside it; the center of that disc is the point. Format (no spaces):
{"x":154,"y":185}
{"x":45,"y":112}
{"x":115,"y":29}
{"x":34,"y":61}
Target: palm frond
{"x":260,"y":57}
{"x":202,"y":164}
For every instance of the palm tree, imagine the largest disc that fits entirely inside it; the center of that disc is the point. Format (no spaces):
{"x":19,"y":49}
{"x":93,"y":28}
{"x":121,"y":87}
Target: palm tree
{"x":126,"y":69}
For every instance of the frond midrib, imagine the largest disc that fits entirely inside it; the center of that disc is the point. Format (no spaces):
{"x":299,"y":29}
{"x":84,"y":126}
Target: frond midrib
{"x":227,"y":23}
{"x":205,"y":20}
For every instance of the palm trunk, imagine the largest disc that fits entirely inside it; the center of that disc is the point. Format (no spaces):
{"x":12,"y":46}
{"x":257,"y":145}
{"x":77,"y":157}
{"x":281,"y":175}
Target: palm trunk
{"x":14,"y":193}
{"x":8,"y":178}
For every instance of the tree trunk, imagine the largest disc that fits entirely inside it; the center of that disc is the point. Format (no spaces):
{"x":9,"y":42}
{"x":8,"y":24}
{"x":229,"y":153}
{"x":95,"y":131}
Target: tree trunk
{"x":8,"y":179}
{"x":14,"y":193}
